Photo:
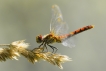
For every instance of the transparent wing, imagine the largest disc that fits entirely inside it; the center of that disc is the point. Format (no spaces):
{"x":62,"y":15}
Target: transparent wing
{"x":69,"y":42}
{"x":57,"y":25}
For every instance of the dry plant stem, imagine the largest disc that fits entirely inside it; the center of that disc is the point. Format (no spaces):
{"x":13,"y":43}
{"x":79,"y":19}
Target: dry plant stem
{"x":13,"y":51}
{"x":8,"y":53}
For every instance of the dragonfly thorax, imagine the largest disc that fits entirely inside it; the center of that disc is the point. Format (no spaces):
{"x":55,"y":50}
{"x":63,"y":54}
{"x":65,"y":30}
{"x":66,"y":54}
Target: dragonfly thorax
{"x":51,"y":38}
{"x":48,"y":39}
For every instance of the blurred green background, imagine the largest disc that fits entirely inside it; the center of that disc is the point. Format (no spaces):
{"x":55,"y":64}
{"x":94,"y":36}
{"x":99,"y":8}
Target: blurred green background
{"x":25,"y":19}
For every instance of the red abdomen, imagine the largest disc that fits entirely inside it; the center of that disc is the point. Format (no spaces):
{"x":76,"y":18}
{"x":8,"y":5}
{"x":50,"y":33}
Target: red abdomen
{"x":82,"y":29}
{"x":77,"y":31}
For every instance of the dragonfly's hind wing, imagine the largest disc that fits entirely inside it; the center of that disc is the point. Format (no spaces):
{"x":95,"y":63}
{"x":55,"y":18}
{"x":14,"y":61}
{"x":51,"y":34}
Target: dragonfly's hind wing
{"x":69,"y":42}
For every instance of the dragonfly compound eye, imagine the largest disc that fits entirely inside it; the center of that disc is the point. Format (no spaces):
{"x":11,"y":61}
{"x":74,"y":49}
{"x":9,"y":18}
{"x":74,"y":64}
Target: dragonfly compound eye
{"x":39,"y":39}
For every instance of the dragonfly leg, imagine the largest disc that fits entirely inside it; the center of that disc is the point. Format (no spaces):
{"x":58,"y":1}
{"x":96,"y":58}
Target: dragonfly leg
{"x":41,"y":45}
{"x":45,"y":47}
{"x":53,"y":48}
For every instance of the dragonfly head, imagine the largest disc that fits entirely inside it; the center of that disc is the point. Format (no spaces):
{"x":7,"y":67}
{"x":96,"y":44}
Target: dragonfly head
{"x":39,"y":39}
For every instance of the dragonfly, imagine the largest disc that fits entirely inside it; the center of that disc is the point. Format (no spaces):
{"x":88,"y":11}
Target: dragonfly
{"x":59,"y":31}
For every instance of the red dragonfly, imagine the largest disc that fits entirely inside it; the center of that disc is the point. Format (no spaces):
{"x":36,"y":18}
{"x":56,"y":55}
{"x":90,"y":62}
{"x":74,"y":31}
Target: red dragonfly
{"x":59,"y":31}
